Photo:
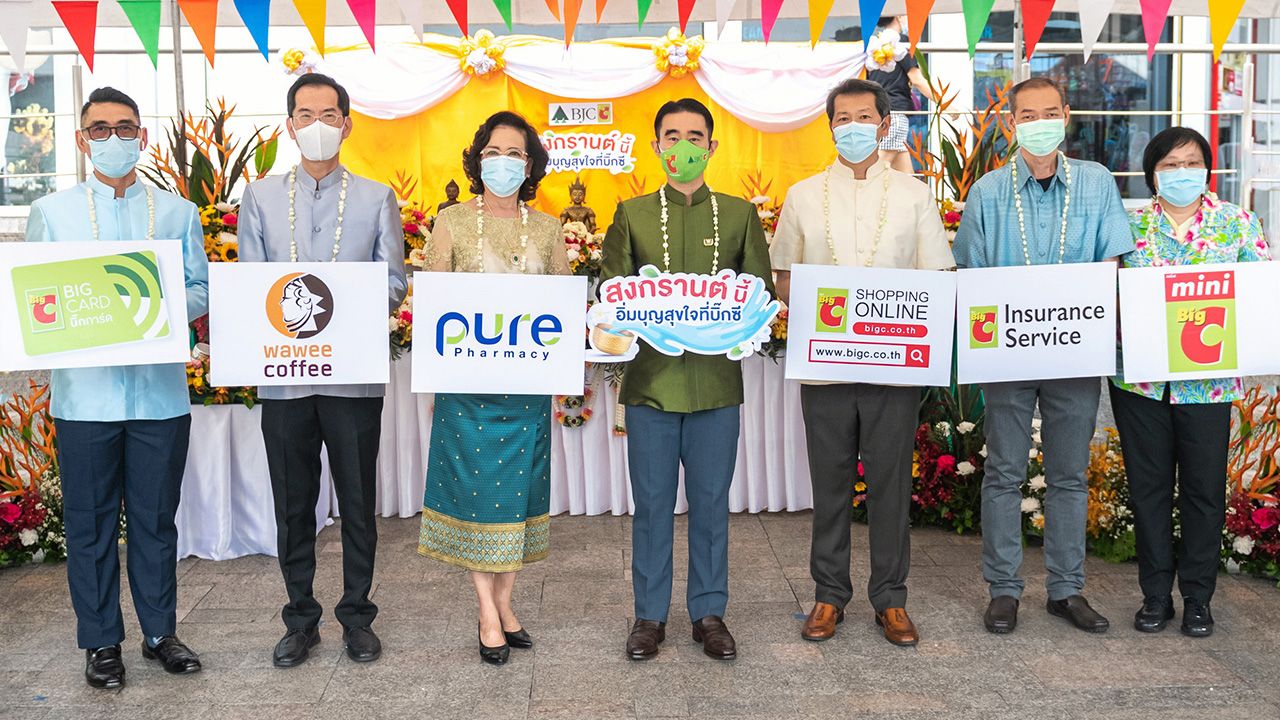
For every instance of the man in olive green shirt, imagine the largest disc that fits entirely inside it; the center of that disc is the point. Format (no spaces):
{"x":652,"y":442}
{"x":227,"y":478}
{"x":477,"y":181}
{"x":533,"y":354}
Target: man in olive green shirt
{"x":683,"y":409}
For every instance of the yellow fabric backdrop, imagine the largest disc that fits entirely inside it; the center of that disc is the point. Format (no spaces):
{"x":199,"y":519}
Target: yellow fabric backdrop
{"x":429,"y":145}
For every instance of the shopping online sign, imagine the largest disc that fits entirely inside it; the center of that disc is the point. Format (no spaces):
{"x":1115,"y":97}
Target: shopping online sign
{"x":92,"y":304}
{"x":874,"y":325}
{"x":1040,"y":322}
{"x":321,"y":323}
{"x":493,"y":333}
{"x":1189,"y":322}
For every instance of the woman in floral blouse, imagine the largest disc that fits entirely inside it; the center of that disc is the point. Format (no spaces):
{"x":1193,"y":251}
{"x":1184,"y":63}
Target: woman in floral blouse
{"x":1176,"y":433}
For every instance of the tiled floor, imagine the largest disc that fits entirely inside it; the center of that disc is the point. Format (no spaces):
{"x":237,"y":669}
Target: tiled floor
{"x":577,"y":605}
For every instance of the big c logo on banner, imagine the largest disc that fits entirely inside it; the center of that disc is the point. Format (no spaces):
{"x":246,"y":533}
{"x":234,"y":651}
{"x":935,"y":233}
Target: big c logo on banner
{"x":299,"y":305}
{"x":875,"y":325}
{"x":69,"y":304}
{"x":491,"y":333}
{"x":1201,"y":314}
{"x":984,"y":327}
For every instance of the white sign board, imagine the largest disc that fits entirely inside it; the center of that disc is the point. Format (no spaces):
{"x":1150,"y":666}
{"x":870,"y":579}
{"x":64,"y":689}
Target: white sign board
{"x":872,"y":325}
{"x":1188,"y":322}
{"x":492,"y":333}
{"x":319,"y":323}
{"x":92,"y":304}
{"x":1038,"y":322}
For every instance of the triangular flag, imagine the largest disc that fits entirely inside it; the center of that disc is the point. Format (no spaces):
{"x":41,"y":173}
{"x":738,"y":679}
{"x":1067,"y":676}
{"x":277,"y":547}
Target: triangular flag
{"x":80,"y":17}
{"x":554,"y":7}
{"x":976,"y":13}
{"x":724,"y":9}
{"x":504,"y":9}
{"x":459,"y":10}
{"x":202,"y":16}
{"x":642,"y":11}
{"x":685,"y":8}
{"x":256,"y":16}
{"x":1035,"y":15}
{"x":571,"y":10}
{"x":917,"y":14}
{"x":769,"y":10}
{"x":144,"y":16}
{"x":1093,"y":15}
{"x":366,"y":14}
{"x":415,"y":15}
{"x":600,"y":8}
{"x":818,"y":12}
{"x":13,"y":31}
{"x":313,"y":14}
{"x":869,"y":13}
{"x":1154,"y":13}
{"x":1222,"y":18}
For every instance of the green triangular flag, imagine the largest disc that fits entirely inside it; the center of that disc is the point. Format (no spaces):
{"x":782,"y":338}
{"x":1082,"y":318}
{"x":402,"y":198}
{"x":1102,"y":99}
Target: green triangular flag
{"x":144,"y":15}
{"x":976,"y":13}
{"x":504,"y":9}
{"x":642,"y":11}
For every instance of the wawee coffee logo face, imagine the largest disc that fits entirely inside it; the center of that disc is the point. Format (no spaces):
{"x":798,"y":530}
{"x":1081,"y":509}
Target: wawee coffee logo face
{"x":299,"y":306}
{"x":984,"y":327}
{"x":1200,"y":310}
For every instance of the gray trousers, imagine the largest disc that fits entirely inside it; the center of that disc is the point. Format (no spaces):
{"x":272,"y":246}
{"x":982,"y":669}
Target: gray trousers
{"x":877,"y":422}
{"x":1069,"y":411}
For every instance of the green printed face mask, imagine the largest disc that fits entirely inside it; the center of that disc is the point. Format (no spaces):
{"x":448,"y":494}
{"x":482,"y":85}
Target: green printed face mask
{"x":684,"y":161}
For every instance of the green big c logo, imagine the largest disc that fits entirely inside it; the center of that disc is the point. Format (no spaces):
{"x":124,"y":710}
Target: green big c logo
{"x":984,"y":327}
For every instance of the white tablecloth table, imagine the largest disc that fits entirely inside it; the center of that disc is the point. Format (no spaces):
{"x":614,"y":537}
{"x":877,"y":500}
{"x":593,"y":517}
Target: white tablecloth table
{"x":227,"y":509}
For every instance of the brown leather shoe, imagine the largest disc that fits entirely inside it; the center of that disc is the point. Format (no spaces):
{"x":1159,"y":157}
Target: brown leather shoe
{"x":715,"y":638}
{"x":646,"y":636}
{"x":898,"y":628}
{"x":822,"y":621}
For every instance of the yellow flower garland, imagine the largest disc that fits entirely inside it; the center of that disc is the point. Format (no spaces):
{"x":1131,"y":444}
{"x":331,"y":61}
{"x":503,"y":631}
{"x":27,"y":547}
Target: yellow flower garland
{"x":481,"y":55}
{"x":678,"y":55}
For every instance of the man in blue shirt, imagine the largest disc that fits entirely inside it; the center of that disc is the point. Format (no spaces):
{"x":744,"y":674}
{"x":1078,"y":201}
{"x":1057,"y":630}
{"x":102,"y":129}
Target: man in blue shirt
{"x":122,"y":431}
{"x":1042,"y":208}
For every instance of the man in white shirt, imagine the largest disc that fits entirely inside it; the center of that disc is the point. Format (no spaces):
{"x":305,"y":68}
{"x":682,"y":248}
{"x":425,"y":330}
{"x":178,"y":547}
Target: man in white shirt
{"x":862,"y":213}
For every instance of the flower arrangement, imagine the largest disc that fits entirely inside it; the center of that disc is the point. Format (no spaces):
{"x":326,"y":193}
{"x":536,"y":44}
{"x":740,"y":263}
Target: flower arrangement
{"x":1109,"y":522}
{"x":777,"y":344}
{"x":219,"y":225}
{"x":297,"y":62}
{"x":199,"y":389}
{"x":757,"y":193}
{"x":885,"y":51}
{"x":414,"y":221}
{"x":951,"y":213}
{"x":481,"y":54}
{"x":678,"y":55}
{"x":584,"y":250}
{"x":1252,"y":533}
{"x":27,"y":454}
{"x":401,"y":325}
{"x":573,"y":411}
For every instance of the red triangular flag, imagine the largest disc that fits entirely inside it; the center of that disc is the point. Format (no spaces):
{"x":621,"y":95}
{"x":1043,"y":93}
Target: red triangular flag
{"x":600,"y":9}
{"x":917,"y":14}
{"x":1154,"y":13}
{"x":366,"y":12}
{"x":202,"y":16}
{"x":1035,"y":15}
{"x":686,"y":9}
{"x":81,"y":20}
{"x":769,"y":10}
{"x":459,"y":10}
{"x":571,"y":9}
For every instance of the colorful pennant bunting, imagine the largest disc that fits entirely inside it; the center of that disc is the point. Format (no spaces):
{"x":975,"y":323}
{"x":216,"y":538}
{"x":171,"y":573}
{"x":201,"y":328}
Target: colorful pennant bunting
{"x":976,"y":13}
{"x":313,"y":13}
{"x":1222,"y":18}
{"x":144,"y":16}
{"x":769,"y":10}
{"x":366,"y":14}
{"x":818,"y":12}
{"x":504,"y":9}
{"x":571,"y":10}
{"x":1035,"y":15}
{"x":1154,"y":13}
{"x":642,"y":11}
{"x":685,"y":8}
{"x":917,"y":15}
{"x":869,"y":13}
{"x":554,"y":7}
{"x":13,"y":31}
{"x":1093,"y":16}
{"x":415,"y":15}
{"x":80,"y":17}
{"x":256,"y":16}
{"x":724,"y":10}
{"x":600,"y":8}
{"x":202,"y":16}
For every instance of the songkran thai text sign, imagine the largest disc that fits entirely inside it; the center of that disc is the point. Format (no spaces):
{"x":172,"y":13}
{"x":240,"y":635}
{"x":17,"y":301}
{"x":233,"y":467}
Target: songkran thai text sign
{"x":319,"y":323}
{"x":1036,"y":322}
{"x":1200,"y":321}
{"x":728,"y":313}
{"x":495,"y":333}
{"x":573,"y":152}
{"x":876,"y":325}
{"x":92,"y":304}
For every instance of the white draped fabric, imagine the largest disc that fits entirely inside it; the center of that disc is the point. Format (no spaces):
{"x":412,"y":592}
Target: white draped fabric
{"x":586,"y":71}
{"x":399,"y":81}
{"x":226,"y":508}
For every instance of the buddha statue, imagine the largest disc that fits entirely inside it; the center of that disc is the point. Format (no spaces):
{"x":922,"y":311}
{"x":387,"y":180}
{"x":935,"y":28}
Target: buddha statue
{"x":577,"y":211}
{"x":451,"y":192}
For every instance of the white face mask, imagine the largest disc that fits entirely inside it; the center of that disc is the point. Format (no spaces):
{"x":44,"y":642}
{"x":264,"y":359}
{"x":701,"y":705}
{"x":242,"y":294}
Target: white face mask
{"x":319,"y":142}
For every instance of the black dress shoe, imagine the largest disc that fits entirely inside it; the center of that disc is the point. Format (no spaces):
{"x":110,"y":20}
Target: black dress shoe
{"x":103,"y":668}
{"x":295,"y":647}
{"x":1197,"y":620}
{"x":493,"y":655}
{"x":362,"y":645}
{"x":174,"y":657}
{"x":645,"y":637}
{"x":1002,"y":614}
{"x":519,"y":639}
{"x":1154,"y":615}
{"x":715,"y":638}
{"x":1076,"y":610}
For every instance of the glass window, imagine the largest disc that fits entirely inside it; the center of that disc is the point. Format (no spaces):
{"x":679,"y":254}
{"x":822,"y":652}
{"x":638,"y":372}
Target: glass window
{"x":28,"y":143}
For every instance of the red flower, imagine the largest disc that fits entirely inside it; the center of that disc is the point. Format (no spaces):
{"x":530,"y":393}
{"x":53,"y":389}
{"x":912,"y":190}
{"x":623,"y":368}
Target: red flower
{"x":951,"y":218}
{"x":1266,"y":518}
{"x":946,"y":463}
{"x":418,"y":216}
{"x":411,"y":228}
{"x":10,"y":512}
{"x":406,"y":316}
{"x":230,"y":219}
{"x":862,"y":472}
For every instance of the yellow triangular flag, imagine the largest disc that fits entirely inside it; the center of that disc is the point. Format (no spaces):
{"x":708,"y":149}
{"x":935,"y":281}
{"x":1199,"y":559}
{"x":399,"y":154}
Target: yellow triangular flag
{"x":818,"y":12}
{"x":313,"y":16}
{"x":1222,"y":18}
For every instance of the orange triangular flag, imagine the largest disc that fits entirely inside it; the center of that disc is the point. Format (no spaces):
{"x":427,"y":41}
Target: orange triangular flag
{"x":1222,"y":18}
{"x":202,"y":16}
{"x":571,"y":9}
{"x":917,"y":14}
{"x":313,"y":16}
{"x":818,"y":12}
{"x":554,"y":7}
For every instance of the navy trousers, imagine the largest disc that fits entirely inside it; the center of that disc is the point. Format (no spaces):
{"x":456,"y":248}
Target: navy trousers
{"x":658,"y":443}
{"x":141,"y":461}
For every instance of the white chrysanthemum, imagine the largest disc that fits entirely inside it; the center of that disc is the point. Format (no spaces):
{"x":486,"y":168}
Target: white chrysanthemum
{"x":1033,"y":454}
{"x":1035,"y":438}
{"x":418,"y":258}
{"x":1035,"y":423}
{"x":983,"y":451}
{"x":480,"y":61}
{"x":393,"y":324}
{"x":1030,"y":505}
{"x":224,"y":207}
{"x":760,"y":200}
{"x":966,"y":468}
{"x":28,"y":537}
{"x":226,"y":237}
{"x":596,"y":254}
{"x":1038,"y":483}
{"x":965,"y":427}
{"x":1243,"y":545}
{"x":401,"y":204}
{"x":571,"y":254}
{"x":943,"y":427}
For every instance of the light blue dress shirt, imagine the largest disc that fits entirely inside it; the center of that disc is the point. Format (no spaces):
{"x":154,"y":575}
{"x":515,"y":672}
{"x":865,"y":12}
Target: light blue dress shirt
{"x":1097,"y":225}
{"x":371,"y":232}
{"x":128,"y":392}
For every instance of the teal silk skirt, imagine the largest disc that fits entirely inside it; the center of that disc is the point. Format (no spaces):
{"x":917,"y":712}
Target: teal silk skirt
{"x":486,"y":505}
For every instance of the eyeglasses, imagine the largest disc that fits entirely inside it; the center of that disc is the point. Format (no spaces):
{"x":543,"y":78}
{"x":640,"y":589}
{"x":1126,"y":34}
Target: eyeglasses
{"x":304,"y":119}
{"x":513,"y":153}
{"x":98,"y":133}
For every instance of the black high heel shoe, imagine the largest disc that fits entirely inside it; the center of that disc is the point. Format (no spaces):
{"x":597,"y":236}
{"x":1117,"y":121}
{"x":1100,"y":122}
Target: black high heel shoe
{"x":493,"y":655}
{"x":519,"y":639}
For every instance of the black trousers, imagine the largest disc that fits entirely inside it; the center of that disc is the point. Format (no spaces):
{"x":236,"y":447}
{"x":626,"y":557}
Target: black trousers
{"x":1169,"y":446}
{"x":141,"y":461}
{"x":294,"y":431}
{"x":876,"y":422}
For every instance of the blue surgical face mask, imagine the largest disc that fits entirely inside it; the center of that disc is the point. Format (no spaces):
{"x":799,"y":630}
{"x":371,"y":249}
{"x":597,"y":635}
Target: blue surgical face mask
{"x":502,"y":175}
{"x":1182,"y":186}
{"x":114,"y":157}
{"x":1041,"y":137}
{"x":856,"y":141}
